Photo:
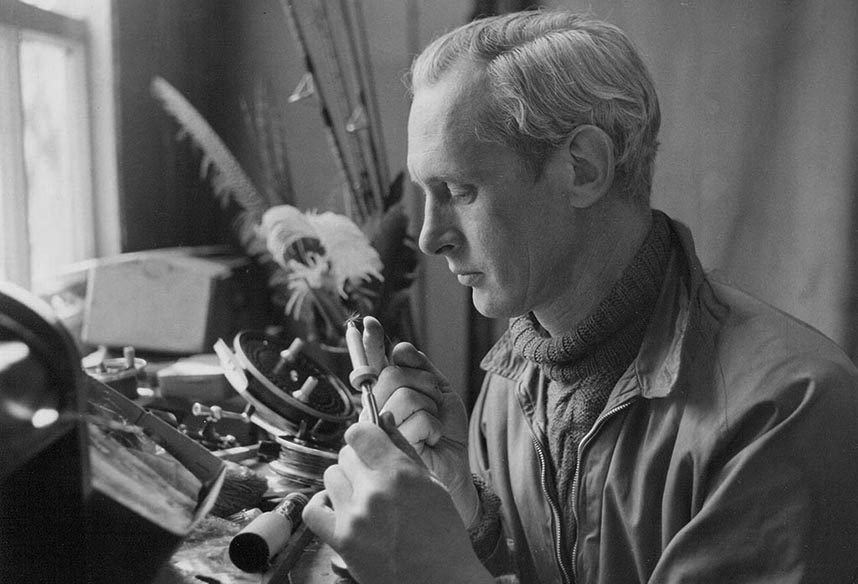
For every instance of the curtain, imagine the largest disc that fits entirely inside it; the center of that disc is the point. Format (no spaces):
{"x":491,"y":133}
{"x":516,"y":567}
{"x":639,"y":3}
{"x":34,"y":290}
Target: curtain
{"x":759,"y":149}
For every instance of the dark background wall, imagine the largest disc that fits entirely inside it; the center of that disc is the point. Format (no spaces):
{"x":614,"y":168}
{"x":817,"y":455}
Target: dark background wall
{"x":163,"y":202}
{"x":759,"y":150}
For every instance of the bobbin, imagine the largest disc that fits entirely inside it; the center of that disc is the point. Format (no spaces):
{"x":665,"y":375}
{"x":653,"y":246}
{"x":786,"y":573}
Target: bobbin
{"x":303,"y":462}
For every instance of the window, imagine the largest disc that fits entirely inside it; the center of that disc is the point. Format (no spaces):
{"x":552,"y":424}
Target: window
{"x":57,"y":208}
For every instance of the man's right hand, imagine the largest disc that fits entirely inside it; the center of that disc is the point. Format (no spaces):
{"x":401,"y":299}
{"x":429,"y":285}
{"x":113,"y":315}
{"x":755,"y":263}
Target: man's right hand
{"x":428,"y":413}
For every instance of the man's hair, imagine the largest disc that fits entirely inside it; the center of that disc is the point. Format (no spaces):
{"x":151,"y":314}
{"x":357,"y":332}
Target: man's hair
{"x":549,"y":72}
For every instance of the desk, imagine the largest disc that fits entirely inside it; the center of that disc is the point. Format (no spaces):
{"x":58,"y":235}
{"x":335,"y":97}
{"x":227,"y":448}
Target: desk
{"x":203,"y":558}
{"x":204,"y":553}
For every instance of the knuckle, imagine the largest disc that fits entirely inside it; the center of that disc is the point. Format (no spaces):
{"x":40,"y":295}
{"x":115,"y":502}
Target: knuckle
{"x":343,"y":452}
{"x":406,"y":479}
{"x":391,"y":371}
{"x":423,"y":419}
{"x":329,"y":473}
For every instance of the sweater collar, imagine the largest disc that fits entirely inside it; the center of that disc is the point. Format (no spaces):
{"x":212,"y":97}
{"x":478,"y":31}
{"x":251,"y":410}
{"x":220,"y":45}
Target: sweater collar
{"x":657,"y":366}
{"x":600,"y":340}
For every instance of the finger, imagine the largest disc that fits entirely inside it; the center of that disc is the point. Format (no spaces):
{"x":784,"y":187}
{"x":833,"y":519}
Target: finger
{"x":320,"y":517}
{"x":388,"y":424}
{"x":405,"y":401}
{"x":392,"y":378}
{"x":373,"y":343}
{"x":337,"y":485}
{"x":351,"y":464}
{"x":406,"y":355}
{"x":371,"y":448}
{"x":420,"y":427}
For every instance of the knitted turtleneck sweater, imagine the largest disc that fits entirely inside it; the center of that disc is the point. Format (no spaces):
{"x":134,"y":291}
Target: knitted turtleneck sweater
{"x":584,"y":365}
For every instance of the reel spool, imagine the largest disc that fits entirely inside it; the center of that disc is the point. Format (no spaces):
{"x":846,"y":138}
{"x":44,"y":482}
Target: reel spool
{"x":303,"y":463}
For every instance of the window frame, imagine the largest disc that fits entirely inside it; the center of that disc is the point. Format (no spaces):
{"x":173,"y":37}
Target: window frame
{"x":89,"y":43}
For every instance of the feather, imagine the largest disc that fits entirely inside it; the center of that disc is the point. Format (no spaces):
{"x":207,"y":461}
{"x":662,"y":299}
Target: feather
{"x":352,"y":258}
{"x":228,"y":179}
{"x":326,"y":261}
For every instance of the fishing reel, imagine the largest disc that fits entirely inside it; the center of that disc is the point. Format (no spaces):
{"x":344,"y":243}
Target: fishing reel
{"x":294,"y":398}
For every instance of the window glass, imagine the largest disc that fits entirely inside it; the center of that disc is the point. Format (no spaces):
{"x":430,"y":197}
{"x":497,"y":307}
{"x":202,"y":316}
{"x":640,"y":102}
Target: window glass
{"x":56,"y":117}
{"x":71,"y":8}
{"x":51,"y":159}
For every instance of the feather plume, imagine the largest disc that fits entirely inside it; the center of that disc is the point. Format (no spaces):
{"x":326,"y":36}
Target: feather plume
{"x":327,"y":264}
{"x":227,"y":178}
{"x":352,"y":259}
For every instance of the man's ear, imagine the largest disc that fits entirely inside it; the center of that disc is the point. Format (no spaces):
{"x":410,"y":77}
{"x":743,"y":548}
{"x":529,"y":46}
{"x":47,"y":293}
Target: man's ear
{"x":591,"y":153}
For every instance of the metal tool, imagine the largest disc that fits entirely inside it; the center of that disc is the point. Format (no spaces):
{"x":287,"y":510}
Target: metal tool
{"x":362,"y":377}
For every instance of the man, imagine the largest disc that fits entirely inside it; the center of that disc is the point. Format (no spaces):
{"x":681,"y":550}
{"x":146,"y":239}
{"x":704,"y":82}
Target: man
{"x":639,"y":422}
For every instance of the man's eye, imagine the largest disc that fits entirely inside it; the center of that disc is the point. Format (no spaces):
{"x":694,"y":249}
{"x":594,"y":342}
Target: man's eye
{"x":461,"y":194}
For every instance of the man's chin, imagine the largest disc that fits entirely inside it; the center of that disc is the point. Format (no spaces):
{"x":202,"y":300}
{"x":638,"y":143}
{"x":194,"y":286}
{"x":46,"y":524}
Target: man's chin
{"x":488,"y":306}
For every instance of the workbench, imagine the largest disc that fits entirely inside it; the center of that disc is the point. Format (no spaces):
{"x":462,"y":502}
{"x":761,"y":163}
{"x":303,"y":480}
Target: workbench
{"x":203,"y":558}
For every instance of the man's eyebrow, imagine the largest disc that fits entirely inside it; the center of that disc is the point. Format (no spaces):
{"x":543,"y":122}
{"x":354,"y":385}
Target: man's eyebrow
{"x":453,"y":177}
{"x":423,"y":187}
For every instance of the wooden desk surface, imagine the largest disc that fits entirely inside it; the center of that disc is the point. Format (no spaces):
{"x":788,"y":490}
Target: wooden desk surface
{"x":203,"y":558}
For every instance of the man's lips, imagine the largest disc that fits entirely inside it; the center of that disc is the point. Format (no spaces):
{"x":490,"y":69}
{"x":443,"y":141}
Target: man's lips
{"x":467,"y":278}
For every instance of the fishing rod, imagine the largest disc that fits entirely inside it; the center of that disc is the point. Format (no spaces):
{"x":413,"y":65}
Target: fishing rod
{"x":356,"y":26}
{"x":308,"y":86}
{"x":356,"y":119}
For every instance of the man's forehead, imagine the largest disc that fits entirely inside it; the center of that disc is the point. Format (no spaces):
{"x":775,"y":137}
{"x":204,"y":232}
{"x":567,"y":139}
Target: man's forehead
{"x":441,"y":147}
{"x":453,"y":101}
{"x":443,"y":117}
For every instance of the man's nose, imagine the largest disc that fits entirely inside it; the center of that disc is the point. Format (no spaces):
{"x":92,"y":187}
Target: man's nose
{"x":438,"y":234}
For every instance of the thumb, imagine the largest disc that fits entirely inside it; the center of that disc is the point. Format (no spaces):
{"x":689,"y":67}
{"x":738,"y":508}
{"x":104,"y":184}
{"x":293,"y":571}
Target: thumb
{"x":319,"y":516}
{"x":388,"y":424}
{"x":405,"y":354}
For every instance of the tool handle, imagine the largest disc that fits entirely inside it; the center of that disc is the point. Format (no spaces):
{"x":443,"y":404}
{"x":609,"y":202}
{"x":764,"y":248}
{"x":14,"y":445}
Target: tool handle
{"x":217,"y":413}
{"x":362,"y":375}
{"x":354,"y":342}
{"x":253,"y":548}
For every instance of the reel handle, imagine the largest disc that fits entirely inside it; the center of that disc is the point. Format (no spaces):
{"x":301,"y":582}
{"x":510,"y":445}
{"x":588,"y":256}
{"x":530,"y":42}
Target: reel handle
{"x":216,"y":413}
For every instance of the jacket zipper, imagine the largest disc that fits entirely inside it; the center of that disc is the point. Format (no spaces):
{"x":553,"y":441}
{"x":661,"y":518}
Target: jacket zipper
{"x":555,"y":511}
{"x":599,"y":421}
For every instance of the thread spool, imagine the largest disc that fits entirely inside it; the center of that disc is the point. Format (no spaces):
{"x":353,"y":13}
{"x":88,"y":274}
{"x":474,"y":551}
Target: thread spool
{"x":302,"y":462}
{"x":253,"y":548}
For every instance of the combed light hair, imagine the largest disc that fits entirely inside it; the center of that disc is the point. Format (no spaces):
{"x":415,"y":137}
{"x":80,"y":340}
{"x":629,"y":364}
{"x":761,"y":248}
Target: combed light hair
{"x":549,"y":72}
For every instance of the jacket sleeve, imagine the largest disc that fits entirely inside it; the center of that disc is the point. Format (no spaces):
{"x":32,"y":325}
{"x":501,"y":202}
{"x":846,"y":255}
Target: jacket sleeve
{"x":487,"y":538}
{"x":780,"y":502}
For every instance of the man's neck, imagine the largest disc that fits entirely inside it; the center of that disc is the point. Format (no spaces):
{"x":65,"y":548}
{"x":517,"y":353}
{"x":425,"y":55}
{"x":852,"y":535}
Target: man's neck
{"x":616,"y":235}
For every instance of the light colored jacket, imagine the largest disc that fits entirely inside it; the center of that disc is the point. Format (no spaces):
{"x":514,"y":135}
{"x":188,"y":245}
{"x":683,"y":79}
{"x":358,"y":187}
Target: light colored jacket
{"x":727,"y":452}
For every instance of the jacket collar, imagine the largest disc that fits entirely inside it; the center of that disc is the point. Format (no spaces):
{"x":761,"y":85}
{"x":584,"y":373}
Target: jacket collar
{"x":657,"y":369}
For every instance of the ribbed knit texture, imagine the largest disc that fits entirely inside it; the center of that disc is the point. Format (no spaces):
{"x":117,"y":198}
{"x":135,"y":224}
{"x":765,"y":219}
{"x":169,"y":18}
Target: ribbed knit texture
{"x":585,"y":364}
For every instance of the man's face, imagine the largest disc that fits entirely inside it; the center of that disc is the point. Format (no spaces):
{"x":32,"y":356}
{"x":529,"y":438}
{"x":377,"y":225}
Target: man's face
{"x":508,"y":236}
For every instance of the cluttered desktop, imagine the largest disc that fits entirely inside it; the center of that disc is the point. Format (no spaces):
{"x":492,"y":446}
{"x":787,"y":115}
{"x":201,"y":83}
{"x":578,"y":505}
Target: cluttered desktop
{"x":180,"y":464}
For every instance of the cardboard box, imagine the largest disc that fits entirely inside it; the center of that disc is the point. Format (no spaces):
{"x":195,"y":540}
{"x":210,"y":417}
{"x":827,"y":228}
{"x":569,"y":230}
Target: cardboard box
{"x":198,"y":378}
{"x":162,"y":301}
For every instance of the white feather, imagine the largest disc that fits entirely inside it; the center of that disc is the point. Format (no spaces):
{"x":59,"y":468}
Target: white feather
{"x":227,"y":178}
